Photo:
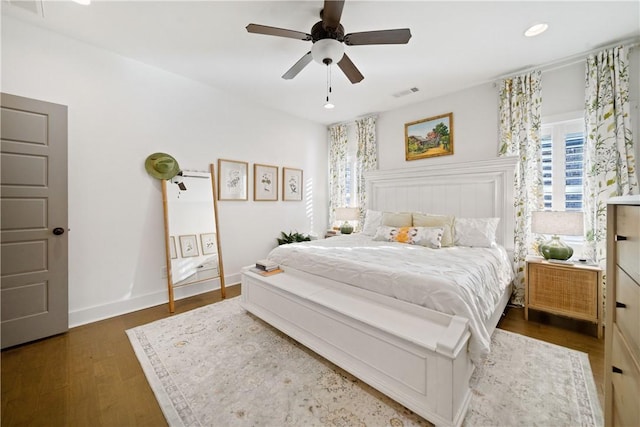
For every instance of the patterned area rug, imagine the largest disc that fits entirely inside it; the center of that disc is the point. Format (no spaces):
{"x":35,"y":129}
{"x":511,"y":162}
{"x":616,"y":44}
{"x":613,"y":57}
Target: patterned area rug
{"x":219,"y":366}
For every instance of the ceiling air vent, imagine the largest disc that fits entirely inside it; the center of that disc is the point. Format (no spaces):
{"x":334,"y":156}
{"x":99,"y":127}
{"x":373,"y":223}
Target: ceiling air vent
{"x":406,"y":92}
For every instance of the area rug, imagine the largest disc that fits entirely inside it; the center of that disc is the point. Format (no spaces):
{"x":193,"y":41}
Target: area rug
{"x":219,"y":366}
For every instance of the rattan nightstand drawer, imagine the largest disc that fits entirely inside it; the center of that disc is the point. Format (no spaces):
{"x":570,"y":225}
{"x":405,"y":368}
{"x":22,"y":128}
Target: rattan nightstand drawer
{"x":563,"y":290}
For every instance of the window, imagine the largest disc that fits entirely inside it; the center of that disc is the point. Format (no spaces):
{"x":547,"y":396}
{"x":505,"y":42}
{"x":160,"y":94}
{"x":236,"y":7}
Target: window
{"x":351,"y":189}
{"x":563,"y":164}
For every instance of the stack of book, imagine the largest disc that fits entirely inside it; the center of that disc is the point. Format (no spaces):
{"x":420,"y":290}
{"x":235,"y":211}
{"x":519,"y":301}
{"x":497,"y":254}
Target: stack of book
{"x":266,"y":267}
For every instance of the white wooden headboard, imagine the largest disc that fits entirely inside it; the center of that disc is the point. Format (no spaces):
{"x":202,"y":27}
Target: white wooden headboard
{"x":467,"y":190}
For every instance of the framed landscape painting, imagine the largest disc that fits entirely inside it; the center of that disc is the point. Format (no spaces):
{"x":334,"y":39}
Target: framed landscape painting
{"x":265,"y":182}
{"x":291,"y":184}
{"x":429,"y":137}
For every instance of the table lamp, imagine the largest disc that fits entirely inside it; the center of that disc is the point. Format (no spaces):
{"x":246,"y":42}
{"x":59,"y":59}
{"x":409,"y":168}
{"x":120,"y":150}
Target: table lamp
{"x":346,"y":215}
{"x":557,"y":223}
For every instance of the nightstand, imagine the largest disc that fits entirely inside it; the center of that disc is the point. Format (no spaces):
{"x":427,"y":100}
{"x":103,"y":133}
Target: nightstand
{"x":570,"y":290}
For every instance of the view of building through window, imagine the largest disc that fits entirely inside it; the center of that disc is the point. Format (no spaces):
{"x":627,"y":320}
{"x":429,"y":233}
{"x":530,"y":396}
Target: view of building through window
{"x":563,"y":165}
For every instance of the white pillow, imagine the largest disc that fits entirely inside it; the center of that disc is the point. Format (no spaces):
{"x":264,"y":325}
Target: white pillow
{"x":397,"y":219}
{"x":476,"y":232}
{"x":372,"y":220}
{"x":430,"y":237}
{"x":430,"y":220}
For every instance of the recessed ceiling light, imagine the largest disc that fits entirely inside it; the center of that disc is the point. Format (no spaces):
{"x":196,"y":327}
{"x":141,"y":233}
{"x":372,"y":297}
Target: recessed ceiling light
{"x":328,"y":105}
{"x":83,"y":2}
{"x":536,"y":30}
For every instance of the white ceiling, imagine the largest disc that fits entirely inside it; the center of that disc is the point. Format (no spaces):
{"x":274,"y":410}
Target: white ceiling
{"x":454,"y":44}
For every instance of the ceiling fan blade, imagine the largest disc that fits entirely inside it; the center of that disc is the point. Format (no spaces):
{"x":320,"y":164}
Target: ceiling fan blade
{"x":298,"y":66}
{"x":399,"y":36}
{"x":350,"y":70}
{"x":279,"y":32}
{"x":332,"y":13}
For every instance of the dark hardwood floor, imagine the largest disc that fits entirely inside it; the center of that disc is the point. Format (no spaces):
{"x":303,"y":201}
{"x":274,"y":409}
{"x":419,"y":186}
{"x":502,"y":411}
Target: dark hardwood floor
{"x":90,"y":376}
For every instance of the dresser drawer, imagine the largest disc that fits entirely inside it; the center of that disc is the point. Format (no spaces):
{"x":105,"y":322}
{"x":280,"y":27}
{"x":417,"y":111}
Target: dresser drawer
{"x":563,"y":290}
{"x":628,"y":316}
{"x":625,"y":385}
{"x":628,"y":250}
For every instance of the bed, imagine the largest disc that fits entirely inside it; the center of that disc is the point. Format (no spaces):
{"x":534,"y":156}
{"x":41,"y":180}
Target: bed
{"x":421,"y":355}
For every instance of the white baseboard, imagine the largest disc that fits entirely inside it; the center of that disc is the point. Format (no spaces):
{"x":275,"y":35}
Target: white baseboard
{"x":105,"y":311}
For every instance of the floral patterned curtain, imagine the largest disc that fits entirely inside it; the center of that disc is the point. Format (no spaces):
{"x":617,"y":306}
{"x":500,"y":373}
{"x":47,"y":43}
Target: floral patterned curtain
{"x":609,"y":160}
{"x":520,"y":119}
{"x":366,"y":160}
{"x":337,"y":169}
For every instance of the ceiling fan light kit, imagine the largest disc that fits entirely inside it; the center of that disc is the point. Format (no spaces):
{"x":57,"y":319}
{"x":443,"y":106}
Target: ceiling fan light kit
{"x":328,"y":39}
{"x":327,"y":49}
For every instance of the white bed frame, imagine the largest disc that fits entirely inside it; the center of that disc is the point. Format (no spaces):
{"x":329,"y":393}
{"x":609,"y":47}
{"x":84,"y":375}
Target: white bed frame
{"x":414,"y":355}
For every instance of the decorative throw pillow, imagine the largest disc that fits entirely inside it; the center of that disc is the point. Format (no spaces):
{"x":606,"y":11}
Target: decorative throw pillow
{"x":397,"y":219}
{"x":430,"y":237}
{"x":476,"y":232}
{"x":372,"y":220}
{"x":444,"y":221}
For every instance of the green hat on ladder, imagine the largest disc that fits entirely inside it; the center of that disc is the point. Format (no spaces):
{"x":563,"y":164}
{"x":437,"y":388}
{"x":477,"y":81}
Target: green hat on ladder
{"x":161,"y":166}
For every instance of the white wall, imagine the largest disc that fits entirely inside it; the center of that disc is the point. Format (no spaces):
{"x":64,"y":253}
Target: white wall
{"x":475,"y":121}
{"x":475,"y":116}
{"x":120,"y":111}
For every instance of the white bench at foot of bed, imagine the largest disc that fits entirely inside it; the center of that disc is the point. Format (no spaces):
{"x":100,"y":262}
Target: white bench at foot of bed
{"x":414,"y":355}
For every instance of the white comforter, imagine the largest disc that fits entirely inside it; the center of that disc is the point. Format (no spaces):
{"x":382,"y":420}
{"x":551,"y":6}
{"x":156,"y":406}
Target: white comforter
{"x":464,"y":281}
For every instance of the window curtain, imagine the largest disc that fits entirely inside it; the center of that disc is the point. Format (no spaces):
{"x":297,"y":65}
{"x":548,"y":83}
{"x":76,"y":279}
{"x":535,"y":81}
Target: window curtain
{"x":609,"y":160}
{"x":366,"y":160}
{"x":337,"y":169}
{"x":520,"y":120}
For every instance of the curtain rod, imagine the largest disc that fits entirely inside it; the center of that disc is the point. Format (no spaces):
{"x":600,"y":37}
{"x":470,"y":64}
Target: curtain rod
{"x":350,"y":122}
{"x":571,"y":60}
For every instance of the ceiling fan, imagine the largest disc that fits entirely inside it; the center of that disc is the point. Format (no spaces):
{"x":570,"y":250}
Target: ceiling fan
{"x":328,"y":38}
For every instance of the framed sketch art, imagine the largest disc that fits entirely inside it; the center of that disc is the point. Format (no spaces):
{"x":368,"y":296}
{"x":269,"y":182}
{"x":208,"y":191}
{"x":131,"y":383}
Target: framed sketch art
{"x":209,"y":243}
{"x":291,"y":184}
{"x":265,"y":182}
{"x":232,"y":180}
{"x":429,"y":137}
{"x":188,"y":245}
{"x":172,"y":247}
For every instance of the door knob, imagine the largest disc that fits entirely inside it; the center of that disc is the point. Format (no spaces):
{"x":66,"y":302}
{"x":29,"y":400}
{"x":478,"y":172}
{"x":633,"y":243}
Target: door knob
{"x":58,"y":231}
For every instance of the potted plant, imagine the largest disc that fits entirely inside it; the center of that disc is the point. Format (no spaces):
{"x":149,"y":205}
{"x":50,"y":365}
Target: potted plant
{"x":292,"y":238}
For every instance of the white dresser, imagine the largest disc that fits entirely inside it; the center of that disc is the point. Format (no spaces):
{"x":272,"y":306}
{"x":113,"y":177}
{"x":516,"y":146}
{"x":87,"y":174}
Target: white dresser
{"x":622,"y":336}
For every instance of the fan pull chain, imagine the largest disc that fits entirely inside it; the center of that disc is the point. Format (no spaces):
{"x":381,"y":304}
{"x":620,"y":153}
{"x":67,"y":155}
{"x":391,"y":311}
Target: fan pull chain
{"x":328,"y":105}
{"x":328,"y":81}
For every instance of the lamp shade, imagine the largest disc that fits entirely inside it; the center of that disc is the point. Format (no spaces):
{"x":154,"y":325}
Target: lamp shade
{"x":347,"y":214}
{"x":327,"y":49}
{"x":557,"y":222}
